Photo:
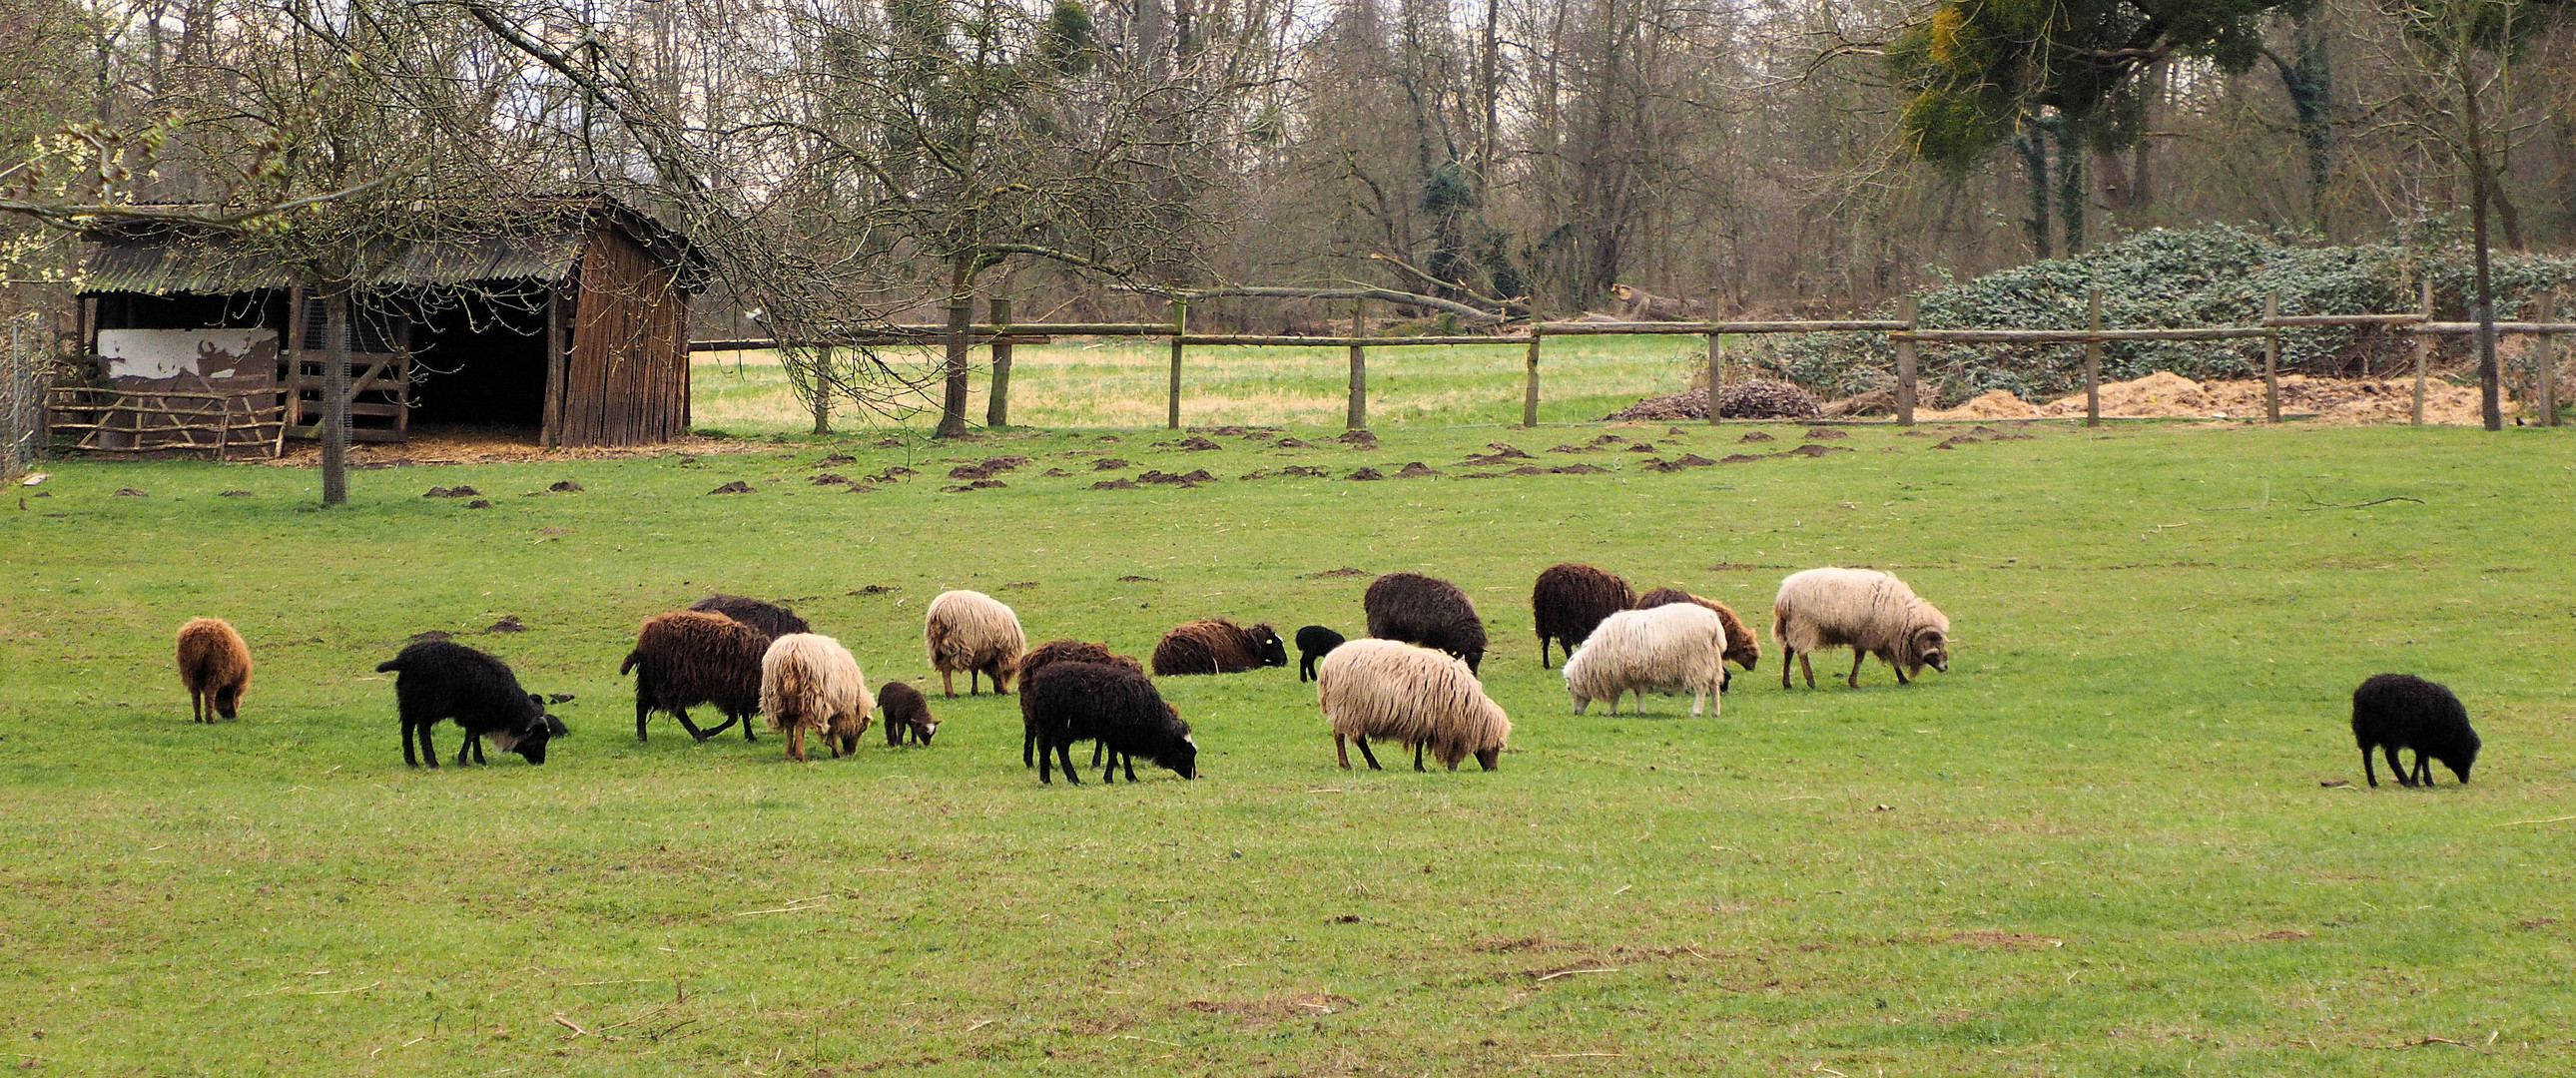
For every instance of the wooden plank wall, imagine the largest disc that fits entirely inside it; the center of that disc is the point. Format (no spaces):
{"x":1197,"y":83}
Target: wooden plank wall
{"x":627,"y":379}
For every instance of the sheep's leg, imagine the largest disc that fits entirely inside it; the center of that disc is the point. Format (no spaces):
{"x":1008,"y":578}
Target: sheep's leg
{"x":1853,"y":679}
{"x":2366,"y":772}
{"x":1028,"y":741}
{"x":1109,"y":774}
{"x":971,"y":675}
{"x":1097,"y":748}
{"x":682,"y":714}
{"x":1892,"y":664}
{"x":476,"y":740}
{"x":1542,"y":651}
{"x":643,"y":707}
{"x":1807,"y":668}
{"x":1786,"y":653}
{"x":745,"y":720}
{"x":410,"y":760}
{"x":1699,"y":699}
{"x":2423,"y":769}
{"x":1064,"y":755}
{"x":428,"y":749}
{"x":1129,"y":759}
{"x":948,"y":683}
{"x":1365,"y":754}
{"x":196,"y":709}
{"x":2396,"y":768}
{"x":1342,"y":749}
{"x":1417,"y":757}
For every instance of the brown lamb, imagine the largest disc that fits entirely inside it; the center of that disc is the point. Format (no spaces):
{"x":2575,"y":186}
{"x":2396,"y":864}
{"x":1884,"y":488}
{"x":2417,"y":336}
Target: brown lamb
{"x":215,"y":665}
{"x":1742,"y":647}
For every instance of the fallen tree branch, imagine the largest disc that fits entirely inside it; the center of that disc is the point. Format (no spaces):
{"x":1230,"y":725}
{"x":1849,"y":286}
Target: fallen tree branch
{"x":2314,"y":504}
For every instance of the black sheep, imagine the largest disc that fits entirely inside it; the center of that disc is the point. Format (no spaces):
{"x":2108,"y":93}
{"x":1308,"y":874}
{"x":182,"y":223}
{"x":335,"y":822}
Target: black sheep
{"x":1427,"y":612}
{"x":1569,"y":601}
{"x":771,"y":619}
{"x":2402,"y":711}
{"x":1080,"y":701}
{"x":1313,"y":643}
{"x":437,"y":679}
{"x":1217,"y":646}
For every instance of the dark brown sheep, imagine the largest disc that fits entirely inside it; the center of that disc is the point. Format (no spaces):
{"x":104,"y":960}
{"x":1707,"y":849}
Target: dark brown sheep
{"x":1061,"y":651}
{"x":1571,"y":598}
{"x":1742,"y":647}
{"x":1218,"y":646}
{"x":214,"y":664}
{"x":905,"y":713}
{"x":691,"y":657}
{"x":769,"y":618}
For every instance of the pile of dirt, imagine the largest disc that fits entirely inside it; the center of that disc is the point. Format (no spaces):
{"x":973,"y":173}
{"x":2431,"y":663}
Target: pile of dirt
{"x":2168,"y":395}
{"x":1757,"y":398}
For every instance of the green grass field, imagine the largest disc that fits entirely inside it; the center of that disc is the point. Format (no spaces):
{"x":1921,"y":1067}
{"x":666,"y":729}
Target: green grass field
{"x":2098,"y":845}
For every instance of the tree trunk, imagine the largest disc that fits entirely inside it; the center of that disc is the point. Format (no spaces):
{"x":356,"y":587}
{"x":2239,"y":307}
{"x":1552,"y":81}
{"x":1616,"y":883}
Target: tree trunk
{"x":2308,"y":78}
{"x":952,"y":406}
{"x":335,"y":393}
{"x":2034,"y":164}
{"x":2071,"y":194}
{"x":2490,"y":395}
{"x":823,"y":390}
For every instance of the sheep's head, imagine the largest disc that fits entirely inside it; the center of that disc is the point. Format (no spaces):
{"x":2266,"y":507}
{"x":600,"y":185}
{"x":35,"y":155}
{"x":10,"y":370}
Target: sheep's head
{"x":530,"y":743}
{"x":2461,"y":757}
{"x":1274,"y":651}
{"x":1931,"y":648}
{"x":228,"y":700}
{"x":1490,"y":759}
{"x":923,"y":727}
{"x":1182,"y":758}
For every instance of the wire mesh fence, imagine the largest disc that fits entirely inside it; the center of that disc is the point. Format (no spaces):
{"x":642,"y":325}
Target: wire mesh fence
{"x":25,"y":371}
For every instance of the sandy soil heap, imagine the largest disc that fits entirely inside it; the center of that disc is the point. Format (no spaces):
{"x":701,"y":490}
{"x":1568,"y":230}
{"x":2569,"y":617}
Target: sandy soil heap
{"x":2167,"y":395}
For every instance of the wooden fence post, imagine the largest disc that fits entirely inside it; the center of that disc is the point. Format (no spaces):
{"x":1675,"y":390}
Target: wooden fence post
{"x":1908,"y":311}
{"x":1180,"y":328}
{"x":997,"y":407}
{"x":2423,"y":350}
{"x":2093,"y":365}
{"x":1355,"y":416}
{"x":1529,"y":391}
{"x":1716,"y":359}
{"x":2544,"y":352}
{"x":2272,"y":358}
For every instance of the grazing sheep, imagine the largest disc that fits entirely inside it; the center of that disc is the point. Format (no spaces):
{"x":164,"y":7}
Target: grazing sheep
{"x":2402,"y":711}
{"x":1058,"y":651}
{"x":1569,"y":599}
{"x":905,"y":713}
{"x":1427,"y":611}
{"x":1218,"y":646}
{"x":1313,"y":643}
{"x":1871,"y":612}
{"x":769,"y":618}
{"x":1118,"y":707}
{"x":1413,"y":696}
{"x":437,"y":679}
{"x":214,"y":664}
{"x":973,"y":632}
{"x":690,"y":657}
{"x":811,"y":682}
{"x":1742,"y":647}
{"x":1666,"y":649}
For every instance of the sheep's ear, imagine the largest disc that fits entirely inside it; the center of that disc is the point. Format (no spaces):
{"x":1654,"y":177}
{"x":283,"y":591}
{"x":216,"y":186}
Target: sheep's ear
{"x":539,"y":701}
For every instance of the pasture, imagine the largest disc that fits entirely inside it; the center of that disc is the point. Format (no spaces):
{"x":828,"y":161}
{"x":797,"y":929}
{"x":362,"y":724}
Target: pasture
{"x":2098,"y":845}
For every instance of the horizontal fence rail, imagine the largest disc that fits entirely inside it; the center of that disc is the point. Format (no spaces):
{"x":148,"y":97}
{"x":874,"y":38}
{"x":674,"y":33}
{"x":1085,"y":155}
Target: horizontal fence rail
{"x":1904,"y":333}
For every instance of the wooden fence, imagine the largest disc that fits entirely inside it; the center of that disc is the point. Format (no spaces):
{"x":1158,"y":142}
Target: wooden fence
{"x":1904,"y":333}
{"x":217,"y":421}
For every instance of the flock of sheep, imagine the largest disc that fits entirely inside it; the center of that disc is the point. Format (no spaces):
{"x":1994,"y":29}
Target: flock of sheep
{"x":1413,"y":681}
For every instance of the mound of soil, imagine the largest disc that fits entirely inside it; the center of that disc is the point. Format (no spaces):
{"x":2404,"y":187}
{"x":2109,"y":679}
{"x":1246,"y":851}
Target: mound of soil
{"x":2168,"y":395}
{"x":1756,"y":398}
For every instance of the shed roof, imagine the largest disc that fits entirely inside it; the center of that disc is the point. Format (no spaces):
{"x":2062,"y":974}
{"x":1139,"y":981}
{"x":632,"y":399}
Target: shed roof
{"x":539,"y":247}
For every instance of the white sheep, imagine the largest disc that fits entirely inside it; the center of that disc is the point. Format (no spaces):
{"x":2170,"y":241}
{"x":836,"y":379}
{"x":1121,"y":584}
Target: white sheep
{"x":810,"y":682}
{"x":1413,"y":696}
{"x":1871,"y":612}
{"x":1681,"y":646}
{"x":973,"y":632}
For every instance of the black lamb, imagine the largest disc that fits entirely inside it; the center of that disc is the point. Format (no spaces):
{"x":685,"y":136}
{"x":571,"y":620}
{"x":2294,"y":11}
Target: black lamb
{"x":437,"y":679}
{"x":1427,"y":612}
{"x":1118,"y":707}
{"x":774,"y":620}
{"x":2402,"y":711}
{"x":1313,"y":643}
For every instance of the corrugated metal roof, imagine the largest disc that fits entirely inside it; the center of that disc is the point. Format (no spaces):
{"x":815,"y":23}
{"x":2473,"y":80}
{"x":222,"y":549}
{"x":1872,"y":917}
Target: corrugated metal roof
{"x":212,"y":265}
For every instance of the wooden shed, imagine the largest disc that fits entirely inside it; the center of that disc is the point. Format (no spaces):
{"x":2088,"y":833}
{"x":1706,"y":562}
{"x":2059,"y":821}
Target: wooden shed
{"x":569,"y":324}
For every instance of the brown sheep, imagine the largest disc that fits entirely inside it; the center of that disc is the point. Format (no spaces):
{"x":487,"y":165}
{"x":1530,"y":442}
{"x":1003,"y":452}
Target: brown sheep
{"x":1742,"y":647}
{"x":691,"y":657}
{"x":215,"y":665}
{"x":905,"y":714}
{"x":1218,"y":646}
{"x":1060,"y":651}
{"x":1571,"y":598}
